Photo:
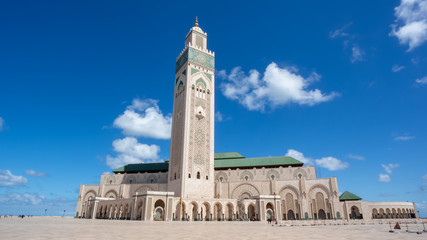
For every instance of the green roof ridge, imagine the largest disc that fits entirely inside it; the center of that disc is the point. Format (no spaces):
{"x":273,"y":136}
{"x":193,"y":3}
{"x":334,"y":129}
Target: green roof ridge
{"x":349,"y":196}
{"x":227,"y":155}
{"x":222,"y":161}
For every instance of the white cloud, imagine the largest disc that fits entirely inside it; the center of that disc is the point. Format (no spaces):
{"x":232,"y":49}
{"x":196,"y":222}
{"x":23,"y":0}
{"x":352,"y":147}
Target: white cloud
{"x":397,"y":68}
{"x":389,"y":168}
{"x":7,"y":179}
{"x":219,"y":116}
{"x":35,"y":173}
{"x":1,"y":123}
{"x":356,"y":157}
{"x":404,"y":138}
{"x":384,"y":178}
{"x":424,"y":177}
{"x":131,"y":151}
{"x":411,"y":23}
{"x":278,"y":86}
{"x":299,"y":156}
{"x":340,"y":32}
{"x":109,"y":173}
{"x":356,"y":54}
{"x":25,"y":198}
{"x":144,"y":119}
{"x":422,"y":81}
{"x":330,"y":163}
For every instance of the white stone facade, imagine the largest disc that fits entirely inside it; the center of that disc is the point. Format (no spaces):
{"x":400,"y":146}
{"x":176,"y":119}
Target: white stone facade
{"x":191,"y":188}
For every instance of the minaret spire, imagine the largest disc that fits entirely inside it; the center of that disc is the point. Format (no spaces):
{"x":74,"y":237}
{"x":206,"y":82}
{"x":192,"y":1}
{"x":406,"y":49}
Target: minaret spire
{"x":196,"y":24}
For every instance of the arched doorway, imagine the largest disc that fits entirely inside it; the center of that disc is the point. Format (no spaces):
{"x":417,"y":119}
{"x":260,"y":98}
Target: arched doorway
{"x":158,"y":214}
{"x":159,"y":208}
{"x":195,"y":214}
{"x":139,"y":210}
{"x":374,"y":213}
{"x":291,"y":215}
{"x":355,"y":213}
{"x":251,"y":212}
{"x":229,"y":212}
{"x":178,"y":215}
{"x":206,"y":212}
{"x":381,"y":213}
{"x":270,"y":211}
{"x":388,"y":213}
{"x":218,"y":212}
{"x":322,"y":214}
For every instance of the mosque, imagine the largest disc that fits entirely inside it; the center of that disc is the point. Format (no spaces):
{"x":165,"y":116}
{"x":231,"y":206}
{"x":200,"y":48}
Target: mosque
{"x":197,"y":184}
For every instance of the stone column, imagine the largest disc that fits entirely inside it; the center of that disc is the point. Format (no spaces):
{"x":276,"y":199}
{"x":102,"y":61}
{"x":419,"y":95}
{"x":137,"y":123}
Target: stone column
{"x":95,"y":210}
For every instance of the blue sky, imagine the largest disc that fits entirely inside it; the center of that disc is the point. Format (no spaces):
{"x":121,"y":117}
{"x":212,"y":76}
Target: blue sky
{"x":87,"y":86}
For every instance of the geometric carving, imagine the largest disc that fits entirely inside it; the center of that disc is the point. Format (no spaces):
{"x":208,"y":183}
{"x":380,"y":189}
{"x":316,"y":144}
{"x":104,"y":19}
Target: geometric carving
{"x":273,"y":175}
{"x":244,"y":189}
{"x":246,"y":176}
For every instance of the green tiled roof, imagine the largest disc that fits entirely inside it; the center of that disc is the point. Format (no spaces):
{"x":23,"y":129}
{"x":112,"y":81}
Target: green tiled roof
{"x":222,"y":161}
{"x":349,"y":196}
{"x":143,"y":167}
{"x":256,"y":162}
{"x":227,"y":155}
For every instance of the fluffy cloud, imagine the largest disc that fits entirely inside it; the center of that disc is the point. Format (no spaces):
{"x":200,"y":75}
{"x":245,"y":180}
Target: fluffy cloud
{"x":389,"y":168}
{"x":397,"y":68}
{"x":131,"y":151}
{"x":1,"y":123}
{"x":299,"y":156}
{"x":356,"y":157}
{"x":144,"y":119}
{"x":340,"y":32}
{"x":404,"y":138}
{"x":384,"y":178}
{"x":356,"y":54}
{"x":421,"y":81}
{"x":7,"y":179}
{"x":411,"y":23}
{"x":25,"y":198}
{"x":330,"y":163}
{"x":35,"y":173}
{"x":278,"y":86}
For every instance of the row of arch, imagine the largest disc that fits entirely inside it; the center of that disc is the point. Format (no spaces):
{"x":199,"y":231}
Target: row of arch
{"x":214,"y":212}
{"x":393,"y":213}
{"x":114,"y":211}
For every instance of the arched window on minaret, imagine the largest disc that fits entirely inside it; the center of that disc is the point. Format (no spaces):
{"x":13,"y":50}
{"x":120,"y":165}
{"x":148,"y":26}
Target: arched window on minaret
{"x":198,"y":175}
{"x":201,"y":91}
{"x":189,"y":175}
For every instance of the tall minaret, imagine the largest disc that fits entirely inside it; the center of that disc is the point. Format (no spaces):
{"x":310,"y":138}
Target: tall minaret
{"x":191,"y":167}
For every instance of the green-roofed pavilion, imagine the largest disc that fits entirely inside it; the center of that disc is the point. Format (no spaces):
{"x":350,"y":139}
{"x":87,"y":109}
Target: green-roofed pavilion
{"x":348,"y":196}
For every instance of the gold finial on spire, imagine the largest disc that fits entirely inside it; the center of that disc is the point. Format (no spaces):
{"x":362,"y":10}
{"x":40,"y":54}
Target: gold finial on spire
{"x":196,"y":24}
